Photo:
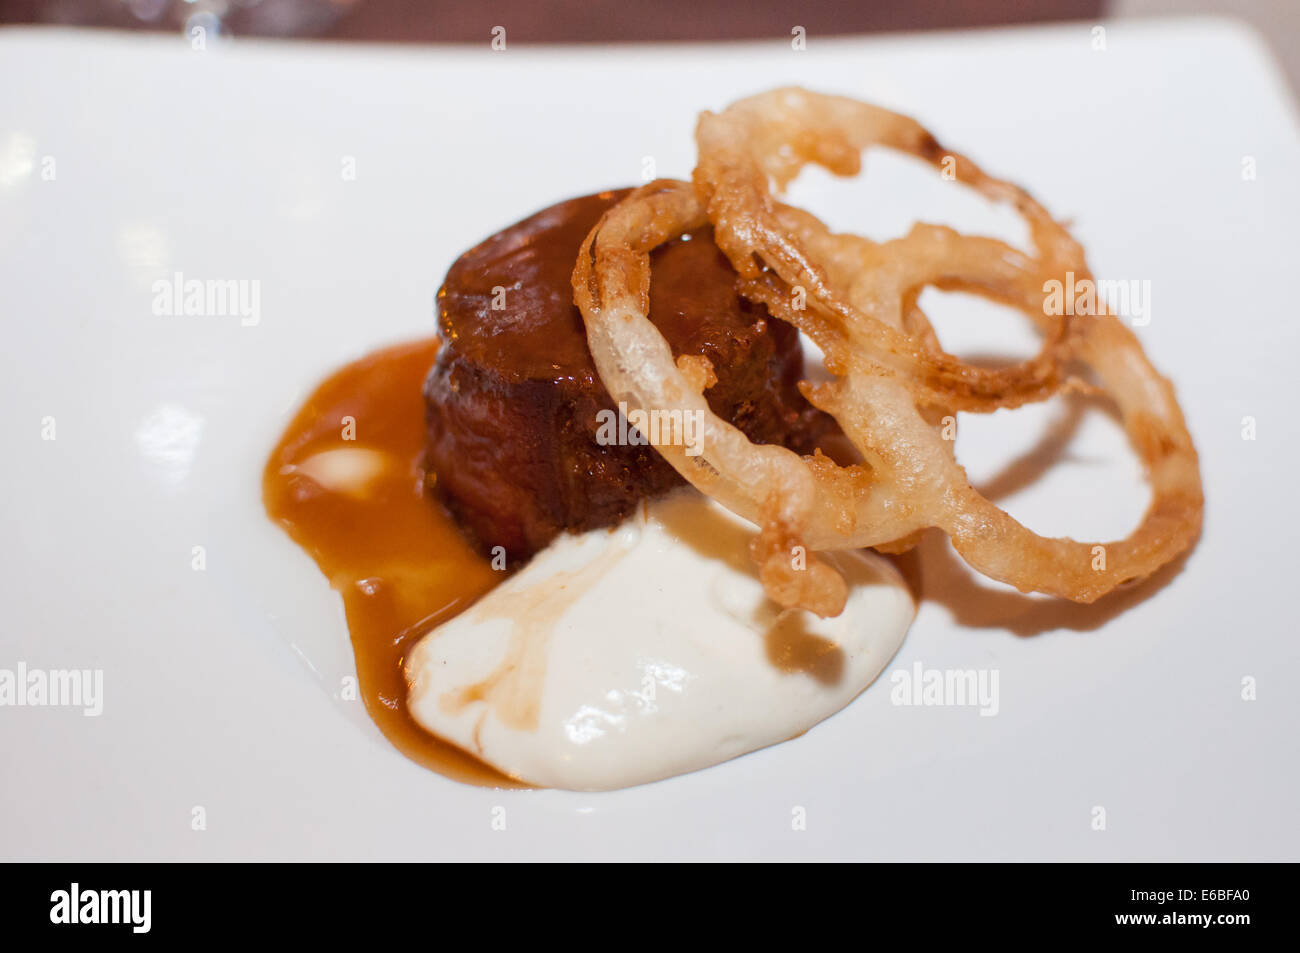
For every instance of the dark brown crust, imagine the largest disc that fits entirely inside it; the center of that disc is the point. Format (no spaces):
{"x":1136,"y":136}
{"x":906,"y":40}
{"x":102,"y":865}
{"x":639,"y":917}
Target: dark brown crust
{"x":513,"y":398}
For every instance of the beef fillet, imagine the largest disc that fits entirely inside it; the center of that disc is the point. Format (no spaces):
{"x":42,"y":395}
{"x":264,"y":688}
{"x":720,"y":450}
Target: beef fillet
{"x":513,"y":398}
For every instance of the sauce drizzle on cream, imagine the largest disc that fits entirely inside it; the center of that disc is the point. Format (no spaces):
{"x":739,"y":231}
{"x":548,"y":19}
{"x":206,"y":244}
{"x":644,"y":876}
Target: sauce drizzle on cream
{"x":514,"y":689}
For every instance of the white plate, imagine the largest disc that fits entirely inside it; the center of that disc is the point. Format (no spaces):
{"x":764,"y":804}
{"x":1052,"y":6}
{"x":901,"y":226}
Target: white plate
{"x":228,"y":164}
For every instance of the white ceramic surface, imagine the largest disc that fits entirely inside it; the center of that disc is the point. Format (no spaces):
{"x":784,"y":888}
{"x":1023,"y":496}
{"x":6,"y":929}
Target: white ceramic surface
{"x":229,"y":164}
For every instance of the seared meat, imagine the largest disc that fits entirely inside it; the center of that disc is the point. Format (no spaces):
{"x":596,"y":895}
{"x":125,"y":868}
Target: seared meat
{"x":513,"y":397}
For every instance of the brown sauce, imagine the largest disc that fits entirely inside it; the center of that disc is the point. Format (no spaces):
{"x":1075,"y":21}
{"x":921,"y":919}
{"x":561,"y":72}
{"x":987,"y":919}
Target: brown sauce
{"x":399,"y":561}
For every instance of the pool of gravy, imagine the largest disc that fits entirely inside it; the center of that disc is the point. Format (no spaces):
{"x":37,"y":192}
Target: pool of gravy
{"x":398,"y":560}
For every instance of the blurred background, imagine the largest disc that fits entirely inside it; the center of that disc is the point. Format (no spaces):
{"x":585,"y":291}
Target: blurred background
{"x":581,"y":21}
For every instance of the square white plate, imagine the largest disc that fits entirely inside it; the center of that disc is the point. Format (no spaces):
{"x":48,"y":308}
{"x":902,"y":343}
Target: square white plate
{"x":124,"y":160}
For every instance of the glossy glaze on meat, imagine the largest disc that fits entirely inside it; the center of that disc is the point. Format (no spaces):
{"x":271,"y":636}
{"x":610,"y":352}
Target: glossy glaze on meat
{"x":513,"y":398}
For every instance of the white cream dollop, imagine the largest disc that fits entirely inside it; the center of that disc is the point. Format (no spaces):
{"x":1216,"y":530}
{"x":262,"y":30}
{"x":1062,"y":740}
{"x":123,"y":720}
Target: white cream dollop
{"x":622,"y":656}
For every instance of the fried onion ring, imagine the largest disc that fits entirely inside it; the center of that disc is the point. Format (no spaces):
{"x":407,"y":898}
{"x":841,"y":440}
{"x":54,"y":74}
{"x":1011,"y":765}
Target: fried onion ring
{"x":771,"y":137}
{"x":767,"y":484}
{"x":890,"y":373}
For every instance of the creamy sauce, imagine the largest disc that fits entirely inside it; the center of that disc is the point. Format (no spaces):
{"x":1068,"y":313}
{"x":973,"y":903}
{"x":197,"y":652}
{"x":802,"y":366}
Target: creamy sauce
{"x":360,"y":508}
{"x":514,"y":688}
{"x":630,"y":654}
